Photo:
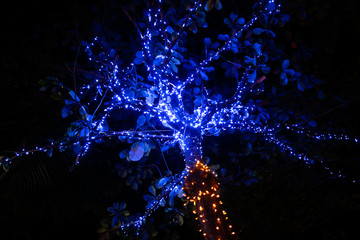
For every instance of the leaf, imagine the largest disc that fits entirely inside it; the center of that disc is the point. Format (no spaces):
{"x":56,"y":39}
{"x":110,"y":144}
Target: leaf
{"x":270,"y":33}
{"x":250,"y":60}
{"x":121,"y":206}
{"x":129,"y":93}
{"x":284,"y":79}
{"x":258,"y":31}
{"x":312,"y":123}
{"x":218,"y":5}
{"x":115,"y":221}
{"x":227,"y":21}
{"x":139,"y":61}
{"x":123,"y":153}
{"x":169,"y":29}
{"x":197,"y":81}
{"x":257,"y":48}
{"x":174,"y":68}
{"x":65,"y":112}
{"x":198,"y":101}
{"x":321,"y":94}
{"x":265,"y":69}
{"x":234,"y":48}
{"x":84,"y":132}
{"x":82,"y":111}
{"x":74,"y":96}
{"x":77,"y":148}
{"x":175,"y":61}
{"x":251,"y":77}
{"x":223,"y":172}
{"x":140,"y":121}
{"x":204,"y":76}
{"x":263,"y":19}
{"x":207,"y":42}
{"x":196,"y":90}
{"x":290,"y":72}
{"x":158,"y":60}
{"x":285,"y":64}
{"x":301,"y":85}
{"x":209,"y":5}
{"x":49,"y":152}
{"x":162,"y":182}
{"x":148,"y":198}
{"x":240,"y":21}
{"x":223,"y":37}
{"x":208,"y":69}
{"x":270,"y":7}
{"x":152,"y":190}
{"x":136,"y":153}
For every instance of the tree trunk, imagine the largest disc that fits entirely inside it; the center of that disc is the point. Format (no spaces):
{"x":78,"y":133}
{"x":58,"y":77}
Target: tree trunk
{"x":201,"y":188}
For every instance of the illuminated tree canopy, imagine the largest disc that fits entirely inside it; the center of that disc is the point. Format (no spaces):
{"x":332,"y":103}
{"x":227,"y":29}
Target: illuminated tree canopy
{"x":195,"y":70}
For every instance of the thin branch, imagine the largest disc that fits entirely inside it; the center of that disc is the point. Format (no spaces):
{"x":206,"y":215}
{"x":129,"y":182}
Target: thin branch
{"x":331,"y":110}
{"x":132,"y":21}
{"x":74,"y":68}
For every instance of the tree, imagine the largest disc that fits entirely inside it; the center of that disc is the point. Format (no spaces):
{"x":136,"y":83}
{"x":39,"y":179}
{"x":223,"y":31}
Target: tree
{"x":174,"y":97}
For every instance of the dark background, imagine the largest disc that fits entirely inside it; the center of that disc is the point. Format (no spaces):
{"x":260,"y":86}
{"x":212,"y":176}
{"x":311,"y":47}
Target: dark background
{"x":290,"y":201}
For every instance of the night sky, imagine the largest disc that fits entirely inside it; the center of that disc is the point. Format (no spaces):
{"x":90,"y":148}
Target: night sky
{"x":289,"y":201}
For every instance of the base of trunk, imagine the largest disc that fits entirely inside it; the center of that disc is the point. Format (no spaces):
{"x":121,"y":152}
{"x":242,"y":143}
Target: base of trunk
{"x":201,"y":189}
